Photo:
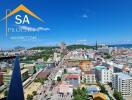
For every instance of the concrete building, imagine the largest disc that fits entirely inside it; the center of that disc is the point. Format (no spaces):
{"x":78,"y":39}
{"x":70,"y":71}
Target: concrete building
{"x":31,"y":68}
{"x":123,"y":83}
{"x":43,"y":74}
{"x":7,"y":76}
{"x":88,"y":77}
{"x":65,"y":88}
{"x":73,"y":70}
{"x":73,"y":79}
{"x":24,"y":74}
{"x":58,"y":74}
{"x":40,"y":66}
{"x":105,"y":49}
{"x":1,"y":78}
{"x":104,"y":74}
{"x":57,"y":57}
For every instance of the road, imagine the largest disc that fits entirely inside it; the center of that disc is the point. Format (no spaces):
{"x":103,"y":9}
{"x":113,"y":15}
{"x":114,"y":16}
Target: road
{"x":45,"y":90}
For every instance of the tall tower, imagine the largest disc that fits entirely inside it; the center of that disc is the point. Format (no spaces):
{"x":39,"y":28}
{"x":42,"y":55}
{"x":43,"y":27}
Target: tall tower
{"x":16,"y":88}
{"x":96,"y":45}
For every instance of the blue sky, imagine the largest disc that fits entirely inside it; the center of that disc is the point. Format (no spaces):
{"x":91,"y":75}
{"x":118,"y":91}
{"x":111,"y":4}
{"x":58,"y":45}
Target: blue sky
{"x":71,"y":21}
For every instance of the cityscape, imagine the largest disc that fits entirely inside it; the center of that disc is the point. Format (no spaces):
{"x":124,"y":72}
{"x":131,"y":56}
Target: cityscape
{"x":66,"y":50}
{"x":70,"y":72}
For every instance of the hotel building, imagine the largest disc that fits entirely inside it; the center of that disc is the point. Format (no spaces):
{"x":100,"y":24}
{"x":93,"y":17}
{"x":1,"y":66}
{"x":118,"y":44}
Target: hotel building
{"x":104,"y":74}
{"x":123,"y":83}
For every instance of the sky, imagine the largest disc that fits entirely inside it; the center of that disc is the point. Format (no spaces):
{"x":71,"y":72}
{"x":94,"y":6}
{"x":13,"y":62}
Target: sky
{"x":71,"y":21}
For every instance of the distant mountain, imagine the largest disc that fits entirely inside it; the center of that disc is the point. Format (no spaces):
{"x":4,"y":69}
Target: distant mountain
{"x":69,"y":47}
{"x":43,"y":48}
{"x":78,"y":46}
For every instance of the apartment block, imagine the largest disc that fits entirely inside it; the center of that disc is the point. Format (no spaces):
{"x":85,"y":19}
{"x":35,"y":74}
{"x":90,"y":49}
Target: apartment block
{"x":123,"y":83}
{"x":104,"y":74}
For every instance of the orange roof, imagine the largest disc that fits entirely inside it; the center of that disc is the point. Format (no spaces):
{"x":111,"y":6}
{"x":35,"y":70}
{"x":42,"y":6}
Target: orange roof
{"x":84,"y":63}
{"x":99,"y":96}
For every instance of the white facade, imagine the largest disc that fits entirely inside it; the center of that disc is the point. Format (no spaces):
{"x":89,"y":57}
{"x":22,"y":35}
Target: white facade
{"x":58,"y":74}
{"x":105,"y":49}
{"x":123,"y":83}
{"x":73,"y":70}
{"x":104,"y":74}
{"x":89,"y":78}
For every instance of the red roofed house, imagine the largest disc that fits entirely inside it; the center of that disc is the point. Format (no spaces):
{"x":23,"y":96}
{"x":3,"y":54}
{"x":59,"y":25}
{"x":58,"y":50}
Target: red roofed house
{"x":73,"y":79}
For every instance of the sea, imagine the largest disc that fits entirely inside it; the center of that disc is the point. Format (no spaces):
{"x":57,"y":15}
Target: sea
{"x":121,"y":45}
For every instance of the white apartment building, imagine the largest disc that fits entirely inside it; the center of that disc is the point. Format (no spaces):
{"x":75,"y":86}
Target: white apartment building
{"x":104,"y":74}
{"x":88,"y":77}
{"x":123,"y":83}
{"x":105,"y":49}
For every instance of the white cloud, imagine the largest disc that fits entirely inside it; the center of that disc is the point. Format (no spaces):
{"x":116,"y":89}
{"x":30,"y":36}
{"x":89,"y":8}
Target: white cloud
{"x":82,"y":41}
{"x":34,"y":29}
{"x":85,"y":16}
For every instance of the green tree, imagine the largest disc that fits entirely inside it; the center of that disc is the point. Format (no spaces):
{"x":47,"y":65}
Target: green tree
{"x":41,"y":80}
{"x":58,"y":79}
{"x":84,"y":80}
{"x":77,"y":97}
{"x":29,"y":97}
{"x":65,"y":71}
{"x":117,"y":95}
{"x":80,"y":94}
{"x":5,"y":93}
{"x":74,"y":92}
{"x":34,"y":93}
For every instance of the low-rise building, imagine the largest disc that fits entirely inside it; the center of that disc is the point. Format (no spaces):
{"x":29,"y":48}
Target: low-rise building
{"x":7,"y":76}
{"x":73,"y":70}
{"x":1,"y":78}
{"x":40,"y":66}
{"x":31,"y":68}
{"x":58,"y":74}
{"x":64,"y":88}
{"x":24,"y":74}
{"x":44,"y":74}
{"x":73,"y":79}
{"x":88,"y":77}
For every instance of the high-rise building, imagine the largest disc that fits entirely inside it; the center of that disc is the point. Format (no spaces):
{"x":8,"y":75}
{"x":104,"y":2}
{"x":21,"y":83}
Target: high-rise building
{"x":104,"y":74}
{"x":16,"y":88}
{"x":123,"y":83}
{"x":96,"y":45}
{"x":63,"y":47}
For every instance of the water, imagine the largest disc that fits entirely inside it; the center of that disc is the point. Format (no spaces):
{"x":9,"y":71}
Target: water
{"x":122,"y":46}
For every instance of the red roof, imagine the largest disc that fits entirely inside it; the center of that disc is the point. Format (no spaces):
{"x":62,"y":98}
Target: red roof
{"x":43,"y":74}
{"x":130,"y":54}
{"x":71,"y":76}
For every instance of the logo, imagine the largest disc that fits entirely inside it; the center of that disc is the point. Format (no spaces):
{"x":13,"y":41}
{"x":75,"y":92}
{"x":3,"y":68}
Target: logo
{"x":20,"y":19}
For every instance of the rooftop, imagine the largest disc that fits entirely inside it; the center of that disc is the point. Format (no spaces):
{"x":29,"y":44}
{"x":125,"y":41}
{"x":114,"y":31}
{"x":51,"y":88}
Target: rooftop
{"x":24,"y":70}
{"x":100,"y":96}
{"x":72,"y":76}
{"x":124,"y":76}
{"x":100,"y":67}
